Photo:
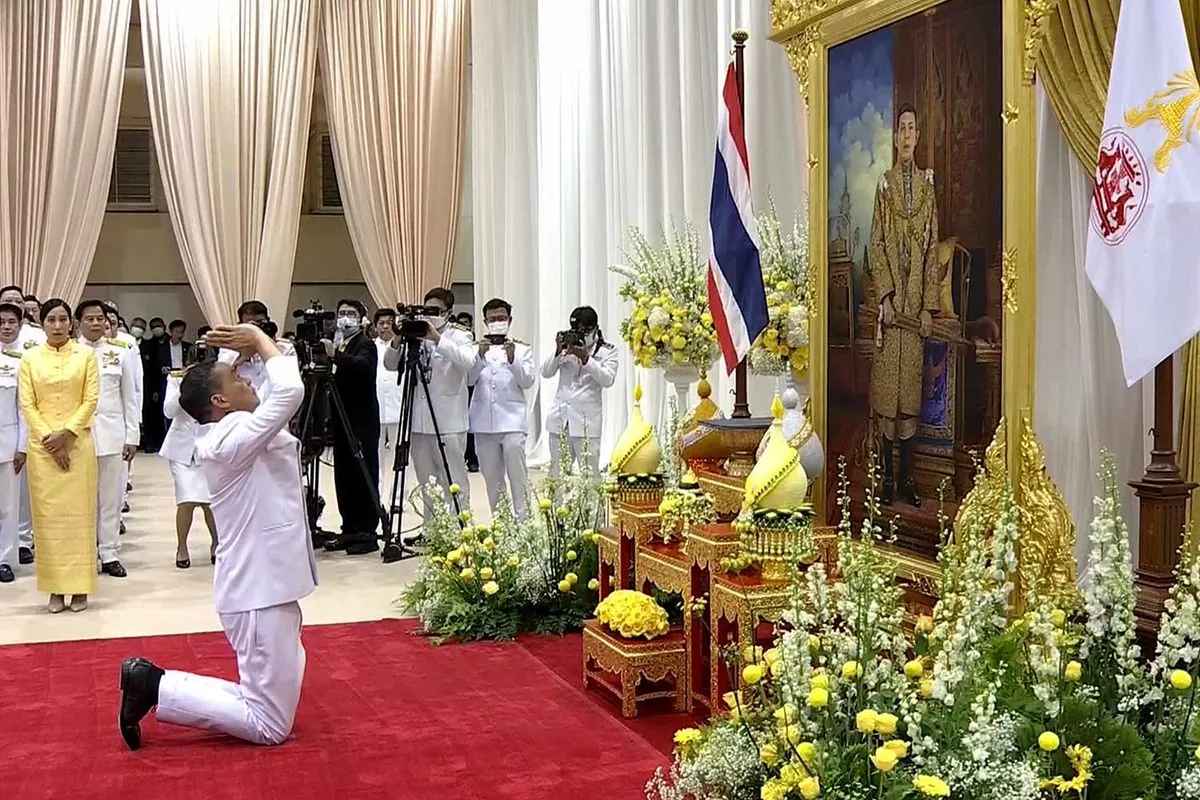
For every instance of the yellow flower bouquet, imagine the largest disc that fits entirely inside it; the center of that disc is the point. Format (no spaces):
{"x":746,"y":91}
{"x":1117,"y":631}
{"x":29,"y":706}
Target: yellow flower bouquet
{"x":791,"y":291}
{"x":667,"y":283}
{"x":633,"y":615}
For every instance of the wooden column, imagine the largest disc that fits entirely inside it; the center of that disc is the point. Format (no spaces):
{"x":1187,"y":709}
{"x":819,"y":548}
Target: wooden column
{"x":1163,"y":496}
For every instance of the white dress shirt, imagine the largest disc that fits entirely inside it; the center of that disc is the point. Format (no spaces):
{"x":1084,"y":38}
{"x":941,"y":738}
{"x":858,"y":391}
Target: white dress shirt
{"x":450,"y":361}
{"x":13,"y":432}
{"x":578,"y":407}
{"x":253,"y":369}
{"x":118,"y":417}
{"x":30,"y":336}
{"x":176,"y":355}
{"x":180,"y":444}
{"x":498,"y":404}
{"x":127,"y":338}
{"x":252,"y":466}
{"x":387,"y":390}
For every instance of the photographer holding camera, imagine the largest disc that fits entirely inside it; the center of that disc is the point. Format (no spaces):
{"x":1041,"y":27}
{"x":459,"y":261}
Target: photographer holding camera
{"x":504,"y":370}
{"x":586,"y":365}
{"x":250,"y":366}
{"x":447,"y":355}
{"x":355,"y":361}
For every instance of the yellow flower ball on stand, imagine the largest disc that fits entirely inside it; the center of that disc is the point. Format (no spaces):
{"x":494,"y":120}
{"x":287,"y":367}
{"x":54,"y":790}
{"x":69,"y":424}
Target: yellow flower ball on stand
{"x":926,"y":688}
{"x":571,"y":578}
{"x":490,"y":588}
{"x":851,"y":670}
{"x":1058,"y":617}
{"x":1048,"y":741}
{"x":564,"y":586}
{"x":884,"y":759}
{"x":1073,"y":671}
{"x":486,"y":573}
{"x":865,"y":721}
{"x":1181,"y":679}
{"x":594,"y":585}
{"x":544,"y":504}
{"x":467,"y":575}
{"x":455,"y":488}
{"x":820,"y":681}
{"x":914,"y":668}
{"x":572,"y":555}
{"x":818,"y":697}
{"x":807,"y":752}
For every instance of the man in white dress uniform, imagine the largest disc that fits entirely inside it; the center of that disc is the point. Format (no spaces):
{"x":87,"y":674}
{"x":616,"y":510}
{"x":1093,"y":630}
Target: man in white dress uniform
{"x":387,"y":392}
{"x":450,"y":354}
{"x":586,"y":365}
{"x":115,"y":332}
{"x":265,"y":561}
{"x":504,"y":370}
{"x":29,"y":336}
{"x":13,"y":436}
{"x":115,"y":428}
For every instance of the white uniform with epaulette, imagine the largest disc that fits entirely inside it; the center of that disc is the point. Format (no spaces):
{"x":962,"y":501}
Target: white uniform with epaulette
{"x":29,"y":336}
{"x":500,"y":421}
{"x":128,"y":339}
{"x":13,"y":437}
{"x":450,"y":362}
{"x":115,"y":424}
{"x":578,"y":406}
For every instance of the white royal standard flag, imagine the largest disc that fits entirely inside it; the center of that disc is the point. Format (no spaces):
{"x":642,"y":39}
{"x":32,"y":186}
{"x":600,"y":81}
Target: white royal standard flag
{"x":1143,"y":248}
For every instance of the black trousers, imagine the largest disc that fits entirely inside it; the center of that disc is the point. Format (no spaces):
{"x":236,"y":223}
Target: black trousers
{"x":359,"y":510}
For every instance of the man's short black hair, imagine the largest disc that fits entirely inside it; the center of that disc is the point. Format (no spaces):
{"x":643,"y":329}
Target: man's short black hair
{"x":31,"y":298}
{"x":496,"y":302}
{"x":444,"y":295}
{"x":390,"y":313}
{"x":252,"y":308}
{"x":466,"y":319}
{"x":12,"y":287}
{"x":86,"y":304}
{"x":14,"y":309}
{"x":357,"y":306}
{"x":585,"y":318}
{"x":177,"y":323}
{"x":203,"y":331}
{"x":907,"y":108}
{"x":199,"y":384}
{"x":158,"y":322}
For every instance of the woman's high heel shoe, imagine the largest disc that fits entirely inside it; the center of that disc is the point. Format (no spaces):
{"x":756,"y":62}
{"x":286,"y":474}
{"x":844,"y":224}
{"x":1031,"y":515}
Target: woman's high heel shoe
{"x":57,"y":604}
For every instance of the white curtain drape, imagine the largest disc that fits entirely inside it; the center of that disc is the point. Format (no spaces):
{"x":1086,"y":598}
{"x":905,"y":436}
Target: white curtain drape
{"x":395,"y":77}
{"x":62,"y":68}
{"x":626,"y":103}
{"x":1082,"y":405}
{"x":230,"y":87}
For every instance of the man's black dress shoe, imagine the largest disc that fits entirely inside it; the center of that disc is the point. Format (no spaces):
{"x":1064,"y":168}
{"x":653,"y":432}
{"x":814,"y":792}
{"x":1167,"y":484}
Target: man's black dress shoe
{"x":337,"y":543}
{"x":361,"y":547}
{"x":139,"y":694}
{"x":122,"y":529}
{"x":125,"y":508}
{"x":25,"y":555}
{"x":6,"y":574}
{"x":114,"y":569}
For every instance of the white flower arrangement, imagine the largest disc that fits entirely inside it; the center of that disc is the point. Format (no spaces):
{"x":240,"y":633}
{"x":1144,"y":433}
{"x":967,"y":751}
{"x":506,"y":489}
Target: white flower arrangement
{"x":790,"y":283}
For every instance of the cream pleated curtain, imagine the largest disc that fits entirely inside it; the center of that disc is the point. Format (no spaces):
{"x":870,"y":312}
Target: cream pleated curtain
{"x":230,"y":85}
{"x":395,"y":80}
{"x":62,"y":68}
{"x":592,"y":116}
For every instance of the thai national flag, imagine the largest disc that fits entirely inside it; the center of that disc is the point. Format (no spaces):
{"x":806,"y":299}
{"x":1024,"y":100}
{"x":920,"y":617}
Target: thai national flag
{"x":736,"y":295}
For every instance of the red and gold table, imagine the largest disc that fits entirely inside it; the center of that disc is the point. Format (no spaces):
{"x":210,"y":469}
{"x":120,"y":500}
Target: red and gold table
{"x":621,"y":666}
{"x":742,"y":611}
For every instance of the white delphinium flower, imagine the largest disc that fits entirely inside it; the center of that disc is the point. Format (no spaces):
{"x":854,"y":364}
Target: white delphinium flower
{"x":1179,"y":629}
{"x":1045,"y":657}
{"x":797,"y":325}
{"x":991,"y":766}
{"x":1108,"y":591}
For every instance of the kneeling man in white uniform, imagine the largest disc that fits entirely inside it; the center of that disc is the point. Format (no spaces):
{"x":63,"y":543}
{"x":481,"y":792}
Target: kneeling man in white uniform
{"x":265,"y":561}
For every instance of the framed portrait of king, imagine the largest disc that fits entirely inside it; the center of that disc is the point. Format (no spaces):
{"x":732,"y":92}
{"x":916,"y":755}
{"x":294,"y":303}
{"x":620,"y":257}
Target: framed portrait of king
{"x":918,"y":160}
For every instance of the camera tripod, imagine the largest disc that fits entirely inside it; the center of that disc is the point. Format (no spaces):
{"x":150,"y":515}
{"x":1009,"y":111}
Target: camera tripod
{"x":409,"y":375}
{"x":320,"y":394}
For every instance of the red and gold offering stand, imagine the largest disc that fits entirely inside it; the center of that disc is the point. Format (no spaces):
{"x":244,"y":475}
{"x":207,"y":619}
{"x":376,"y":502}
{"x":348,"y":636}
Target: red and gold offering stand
{"x":635,"y":670}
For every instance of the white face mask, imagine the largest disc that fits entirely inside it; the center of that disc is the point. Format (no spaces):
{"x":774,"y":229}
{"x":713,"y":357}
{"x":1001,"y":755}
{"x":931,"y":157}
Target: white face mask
{"x":498,"y":328}
{"x":589,"y":340}
{"x":156,"y":332}
{"x":137,"y":332}
{"x":437,"y":323}
{"x":347,"y":325}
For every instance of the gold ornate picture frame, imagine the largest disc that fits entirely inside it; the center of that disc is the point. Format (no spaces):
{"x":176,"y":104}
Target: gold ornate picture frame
{"x":808,"y":30}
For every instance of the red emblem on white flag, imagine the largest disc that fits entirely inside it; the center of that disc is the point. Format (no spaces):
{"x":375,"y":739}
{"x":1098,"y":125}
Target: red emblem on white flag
{"x":1120,"y":187}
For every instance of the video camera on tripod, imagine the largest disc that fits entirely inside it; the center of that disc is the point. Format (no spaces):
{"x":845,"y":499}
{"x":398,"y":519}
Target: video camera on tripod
{"x":315,"y":324}
{"x":414,"y":320}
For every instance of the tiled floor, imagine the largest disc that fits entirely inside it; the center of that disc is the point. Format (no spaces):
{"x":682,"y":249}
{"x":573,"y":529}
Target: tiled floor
{"x":157,"y":598}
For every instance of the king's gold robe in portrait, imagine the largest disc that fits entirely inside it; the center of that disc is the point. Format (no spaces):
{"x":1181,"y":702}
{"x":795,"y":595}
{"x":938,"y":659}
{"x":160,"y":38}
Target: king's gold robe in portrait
{"x":58,"y":391}
{"x":904,"y":235}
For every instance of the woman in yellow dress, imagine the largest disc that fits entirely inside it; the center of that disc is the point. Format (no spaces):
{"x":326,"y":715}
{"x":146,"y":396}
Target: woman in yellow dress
{"x":58,"y":389}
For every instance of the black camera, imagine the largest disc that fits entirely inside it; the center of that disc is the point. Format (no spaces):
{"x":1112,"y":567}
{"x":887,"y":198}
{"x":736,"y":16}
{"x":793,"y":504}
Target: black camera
{"x":315,"y":323}
{"x":202,"y":352}
{"x":411,"y":324}
{"x":496,"y":338}
{"x":572,"y":337}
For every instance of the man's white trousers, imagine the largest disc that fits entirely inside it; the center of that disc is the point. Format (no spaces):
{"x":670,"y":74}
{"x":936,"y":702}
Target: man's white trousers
{"x":426,"y":461}
{"x":110,"y":491}
{"x":261,"y":707}
{"x":502,"y":462}
{"x":10,"y":513}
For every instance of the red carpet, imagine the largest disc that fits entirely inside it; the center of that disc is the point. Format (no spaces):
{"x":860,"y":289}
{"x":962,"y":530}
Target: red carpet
{"x":384,"y":715}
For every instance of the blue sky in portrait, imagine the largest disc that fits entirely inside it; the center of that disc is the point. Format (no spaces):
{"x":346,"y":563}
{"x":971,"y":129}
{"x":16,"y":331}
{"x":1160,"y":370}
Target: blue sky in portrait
{"x":860,"y":128}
